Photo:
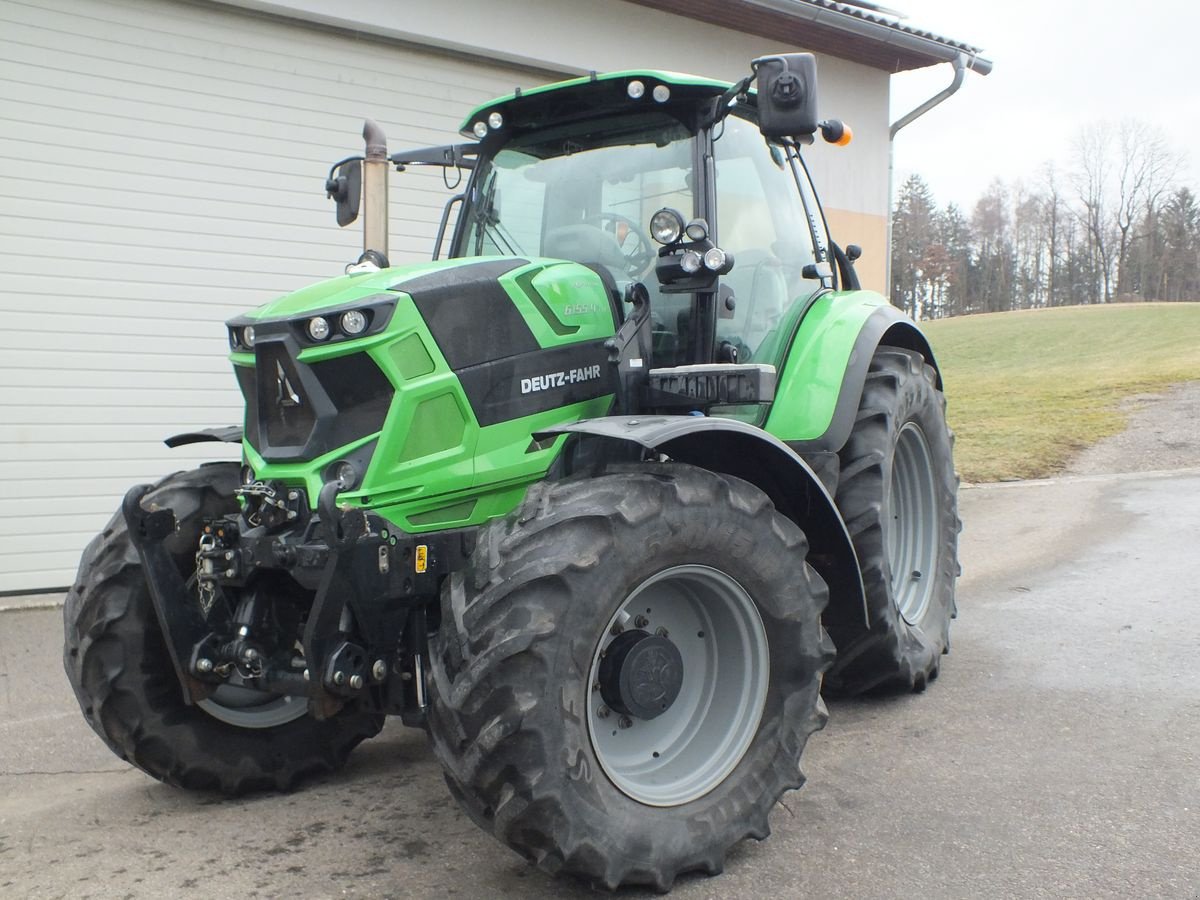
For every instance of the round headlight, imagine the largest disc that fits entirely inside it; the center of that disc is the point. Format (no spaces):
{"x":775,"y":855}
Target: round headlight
{"x":354,"y":322}
{"x":714,"y":258}
{"x":318,"y":328}
{"x":248,"y":337}
{"x":247,"y":475}
{"x":665,"y":226}
{"x":345,"y":475}
{"x":480,"y":129}
{"x":662,"y":93}
{"x":495,"y":120}
{"x":636,"y":90}
{"x":690,"y":262}
{"x":697,"y":230}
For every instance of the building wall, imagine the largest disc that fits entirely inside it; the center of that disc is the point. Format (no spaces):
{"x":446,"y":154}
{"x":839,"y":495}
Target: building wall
{"x":585,"y":35}
{"x":165,"y":166}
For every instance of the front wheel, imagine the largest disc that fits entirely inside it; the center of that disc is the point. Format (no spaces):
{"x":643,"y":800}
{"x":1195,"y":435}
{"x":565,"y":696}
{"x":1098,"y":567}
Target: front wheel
{"x":897,"y":493}
{"x":626,"y":674}
{"x":117,"y":661}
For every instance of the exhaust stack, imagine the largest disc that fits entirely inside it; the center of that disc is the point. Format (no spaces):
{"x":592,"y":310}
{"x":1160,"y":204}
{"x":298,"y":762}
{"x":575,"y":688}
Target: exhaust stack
{"x":375,"y":189}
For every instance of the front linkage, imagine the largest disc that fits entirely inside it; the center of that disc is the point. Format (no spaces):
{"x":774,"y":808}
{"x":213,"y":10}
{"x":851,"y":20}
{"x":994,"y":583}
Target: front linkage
{"x":364,"y":636}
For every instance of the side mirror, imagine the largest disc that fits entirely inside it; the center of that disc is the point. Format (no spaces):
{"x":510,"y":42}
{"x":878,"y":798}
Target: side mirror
{"x":787,"y":95}
{"x":344,"y":187}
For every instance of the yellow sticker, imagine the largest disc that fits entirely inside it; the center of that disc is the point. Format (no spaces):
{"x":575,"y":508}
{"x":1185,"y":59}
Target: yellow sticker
{"x":422,"y":558}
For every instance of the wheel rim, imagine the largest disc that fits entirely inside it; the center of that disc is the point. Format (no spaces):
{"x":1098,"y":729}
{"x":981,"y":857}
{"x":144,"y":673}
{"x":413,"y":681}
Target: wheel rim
{"x":912,"y":537}
{"x":688,"y":749}
{"x":250,"y":708}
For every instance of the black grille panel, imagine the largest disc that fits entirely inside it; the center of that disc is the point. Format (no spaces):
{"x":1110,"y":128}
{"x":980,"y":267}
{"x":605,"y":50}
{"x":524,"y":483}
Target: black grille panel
{"x":286,"y":414}
{"x":298,"y":412}
{"x":360,"y":393}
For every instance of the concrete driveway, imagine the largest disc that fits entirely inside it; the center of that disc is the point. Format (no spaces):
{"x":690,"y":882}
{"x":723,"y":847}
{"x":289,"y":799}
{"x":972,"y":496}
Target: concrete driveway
{"x":1057,"y":756}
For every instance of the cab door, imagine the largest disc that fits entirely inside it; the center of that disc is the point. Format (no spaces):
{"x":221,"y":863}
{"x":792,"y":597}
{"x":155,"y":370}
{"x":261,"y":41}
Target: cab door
{"x":777,"y":240}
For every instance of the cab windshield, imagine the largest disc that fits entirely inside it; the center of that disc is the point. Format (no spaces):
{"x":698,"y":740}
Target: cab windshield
{"x":583,"y":192}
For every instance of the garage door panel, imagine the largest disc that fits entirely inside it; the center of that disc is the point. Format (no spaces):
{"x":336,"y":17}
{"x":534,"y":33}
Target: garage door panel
{"x":213,"y":269}
{"x":192,"y":82}
{"x":44,"y":210}
{"x":166,"y":168}
{"x":25,"y":364}
{"x":274,"y":44}
{"x":204,"y":316}
{"x":69,"y":453}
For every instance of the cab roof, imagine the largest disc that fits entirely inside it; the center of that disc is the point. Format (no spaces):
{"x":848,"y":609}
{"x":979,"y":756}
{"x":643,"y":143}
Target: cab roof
{"x":592,"y":94}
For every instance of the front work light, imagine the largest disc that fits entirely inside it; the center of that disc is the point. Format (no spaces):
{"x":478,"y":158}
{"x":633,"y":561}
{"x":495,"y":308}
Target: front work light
{"x":354,"y":322}
{"x":495,"y":120}
{"x":666,"y":226}
{"x":662,"y":93}
{"x":690,"y":262}
{"x":318,"y":328}
{"x":714,"y":258}
{"x":345,"y":475}
{"x":480,"y":129}
{"x":697,"y":230}
{"x":636,"y":90}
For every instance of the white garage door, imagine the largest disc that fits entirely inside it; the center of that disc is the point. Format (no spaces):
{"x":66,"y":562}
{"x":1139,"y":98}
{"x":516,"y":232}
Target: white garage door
{"x":163,"y":169}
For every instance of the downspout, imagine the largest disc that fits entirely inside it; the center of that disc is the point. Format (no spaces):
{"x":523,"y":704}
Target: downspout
{"x":961,"y":63}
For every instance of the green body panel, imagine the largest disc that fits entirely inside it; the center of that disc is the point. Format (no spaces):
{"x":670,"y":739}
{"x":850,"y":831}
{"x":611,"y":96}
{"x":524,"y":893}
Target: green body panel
{"x":810,"y":380}
{"x":433,"y":466}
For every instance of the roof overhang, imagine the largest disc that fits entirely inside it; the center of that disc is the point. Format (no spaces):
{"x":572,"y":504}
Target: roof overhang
{"x":828,"y":27}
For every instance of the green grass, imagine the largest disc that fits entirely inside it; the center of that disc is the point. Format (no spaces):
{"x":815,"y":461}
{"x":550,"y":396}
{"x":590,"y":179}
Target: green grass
{"x":1027,"y":390}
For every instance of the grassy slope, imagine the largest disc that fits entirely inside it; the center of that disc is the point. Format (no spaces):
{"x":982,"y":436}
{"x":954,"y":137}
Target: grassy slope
{"x":1028,"y":389}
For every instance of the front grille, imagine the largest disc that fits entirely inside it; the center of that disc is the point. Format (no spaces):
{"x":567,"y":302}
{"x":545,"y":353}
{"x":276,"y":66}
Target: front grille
{"x":286,"y":414}
{"x":298,"y":412}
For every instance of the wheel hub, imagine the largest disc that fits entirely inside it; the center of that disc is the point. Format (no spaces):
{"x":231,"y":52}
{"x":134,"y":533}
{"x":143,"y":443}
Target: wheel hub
{"x":641,"y":674}
{"x":661,"y":738}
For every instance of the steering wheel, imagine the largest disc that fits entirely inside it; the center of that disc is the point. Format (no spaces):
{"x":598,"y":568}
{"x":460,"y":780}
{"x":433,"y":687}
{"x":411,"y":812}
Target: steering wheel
{"x":635,"y":245}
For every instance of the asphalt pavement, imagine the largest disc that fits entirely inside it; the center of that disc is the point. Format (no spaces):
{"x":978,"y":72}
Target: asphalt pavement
{"x":1057,"y":755}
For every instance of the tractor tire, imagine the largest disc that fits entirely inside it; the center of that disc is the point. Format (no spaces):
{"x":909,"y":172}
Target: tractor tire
{"x":897,"y":492}
{"x":119,"y":666}
{"x":529,"y":713}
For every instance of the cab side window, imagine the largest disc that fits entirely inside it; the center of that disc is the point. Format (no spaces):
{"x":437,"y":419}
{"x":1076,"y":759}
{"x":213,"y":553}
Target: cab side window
{"x":762,"y":221}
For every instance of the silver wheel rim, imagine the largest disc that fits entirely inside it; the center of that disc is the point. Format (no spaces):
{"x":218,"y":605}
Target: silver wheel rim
{"x":690,"y":748}
{"x":250,"y":708}
{"x":912,"y":536}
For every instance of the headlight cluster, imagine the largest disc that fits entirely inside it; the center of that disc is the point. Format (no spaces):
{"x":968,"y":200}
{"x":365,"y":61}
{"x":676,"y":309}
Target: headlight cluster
{"x":241,"y":338}
{"x":351,"y":324}
{"x":637,"y":90}
{"x":495,"y":121}
{"x":688,"y":250}
{"x":358,"y":319}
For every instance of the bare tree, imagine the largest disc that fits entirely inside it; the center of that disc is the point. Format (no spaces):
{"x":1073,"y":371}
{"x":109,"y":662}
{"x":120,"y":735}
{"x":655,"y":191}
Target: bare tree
{"x":1092,"y":178}
{"x":1145,"y":170}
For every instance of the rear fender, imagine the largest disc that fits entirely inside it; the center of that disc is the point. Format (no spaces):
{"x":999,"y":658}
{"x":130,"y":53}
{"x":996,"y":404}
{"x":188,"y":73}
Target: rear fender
{"x":822,"y":379}
{"x":743,"y":451}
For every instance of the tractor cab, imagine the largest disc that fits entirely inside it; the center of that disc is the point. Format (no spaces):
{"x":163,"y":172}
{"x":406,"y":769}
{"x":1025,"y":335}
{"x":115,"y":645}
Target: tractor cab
{"x":686,"y":192}
{"x":661,"y":180}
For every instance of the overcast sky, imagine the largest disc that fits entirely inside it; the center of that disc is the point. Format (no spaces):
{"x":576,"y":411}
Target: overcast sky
{"x":1058,"y":66}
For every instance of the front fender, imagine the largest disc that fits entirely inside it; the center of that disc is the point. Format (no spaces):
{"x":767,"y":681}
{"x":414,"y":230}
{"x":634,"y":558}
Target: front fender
{"x":744,"y":451}
{"x":822,"y":378}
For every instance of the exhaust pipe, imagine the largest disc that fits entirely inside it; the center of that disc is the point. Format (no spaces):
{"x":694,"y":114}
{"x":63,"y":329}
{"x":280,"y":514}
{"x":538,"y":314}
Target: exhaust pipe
{"x":375,"y":190}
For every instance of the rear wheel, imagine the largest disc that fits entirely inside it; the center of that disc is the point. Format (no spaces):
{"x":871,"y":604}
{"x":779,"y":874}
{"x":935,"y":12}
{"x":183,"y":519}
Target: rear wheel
{"x":897,"y":493}
{"x":626,"y":675}
{"x":117,"y":661}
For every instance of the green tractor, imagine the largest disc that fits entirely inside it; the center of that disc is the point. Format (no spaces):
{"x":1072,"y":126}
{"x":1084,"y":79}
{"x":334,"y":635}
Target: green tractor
{"x":603,"y":500}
